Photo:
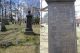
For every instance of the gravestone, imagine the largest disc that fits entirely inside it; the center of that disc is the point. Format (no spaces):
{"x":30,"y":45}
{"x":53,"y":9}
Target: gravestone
{"x":29,"y":23}
{"x":61,"y":26}
{"x":0,"y":26}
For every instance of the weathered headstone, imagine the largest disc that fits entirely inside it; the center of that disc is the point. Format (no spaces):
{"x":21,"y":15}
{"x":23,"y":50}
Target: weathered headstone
{"x":0,"y":26}
{"x":61,"y":26}
{"x":29,"y":23}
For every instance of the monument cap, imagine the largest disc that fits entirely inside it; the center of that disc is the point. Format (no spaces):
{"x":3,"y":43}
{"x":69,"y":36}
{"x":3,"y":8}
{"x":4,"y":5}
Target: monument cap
{"x":60,"y":0}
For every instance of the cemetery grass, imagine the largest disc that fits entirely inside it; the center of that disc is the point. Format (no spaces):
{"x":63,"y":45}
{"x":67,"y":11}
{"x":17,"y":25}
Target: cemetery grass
{"x":22,"y":43}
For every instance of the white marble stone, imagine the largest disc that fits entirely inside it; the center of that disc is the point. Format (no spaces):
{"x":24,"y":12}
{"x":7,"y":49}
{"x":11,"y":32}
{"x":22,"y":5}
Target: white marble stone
{"x":44,"y":39}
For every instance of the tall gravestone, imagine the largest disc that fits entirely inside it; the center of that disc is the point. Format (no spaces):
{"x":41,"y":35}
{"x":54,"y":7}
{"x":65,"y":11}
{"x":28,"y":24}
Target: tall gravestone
{"x":29,"y":23}
{"x":61,"y":26}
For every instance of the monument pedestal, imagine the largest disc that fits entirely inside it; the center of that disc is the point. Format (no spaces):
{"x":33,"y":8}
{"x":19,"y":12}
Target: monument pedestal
{"x":61,"y":26}
{"x":28,"y":31}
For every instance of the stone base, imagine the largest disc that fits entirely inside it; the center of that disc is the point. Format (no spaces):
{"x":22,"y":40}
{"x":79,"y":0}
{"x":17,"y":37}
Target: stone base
{"x":29,"y":31}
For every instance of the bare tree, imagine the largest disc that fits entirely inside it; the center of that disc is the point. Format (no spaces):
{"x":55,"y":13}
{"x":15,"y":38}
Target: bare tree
{"x":3,"y":28}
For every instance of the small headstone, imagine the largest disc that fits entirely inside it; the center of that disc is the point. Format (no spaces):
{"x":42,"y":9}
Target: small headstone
{"x":0,"y":26}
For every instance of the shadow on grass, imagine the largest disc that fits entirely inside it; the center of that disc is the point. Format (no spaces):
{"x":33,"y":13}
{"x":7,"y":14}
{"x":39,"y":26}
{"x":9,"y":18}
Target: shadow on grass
{"x":12,"y":29}
{"x":31,"y":33}
{"x":7,"y":33}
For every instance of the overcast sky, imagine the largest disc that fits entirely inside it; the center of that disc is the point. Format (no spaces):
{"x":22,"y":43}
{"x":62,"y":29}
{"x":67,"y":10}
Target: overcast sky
{"x":77,"y":7}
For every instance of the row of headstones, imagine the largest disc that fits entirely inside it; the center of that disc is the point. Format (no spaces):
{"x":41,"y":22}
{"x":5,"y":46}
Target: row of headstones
{"x":28,"y":23}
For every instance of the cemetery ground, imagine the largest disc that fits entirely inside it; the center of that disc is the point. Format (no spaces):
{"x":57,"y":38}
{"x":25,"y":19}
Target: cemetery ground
{"x":17,"y":41}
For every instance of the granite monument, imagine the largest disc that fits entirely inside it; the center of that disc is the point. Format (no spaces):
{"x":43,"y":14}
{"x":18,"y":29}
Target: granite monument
{"x":61,"y":26}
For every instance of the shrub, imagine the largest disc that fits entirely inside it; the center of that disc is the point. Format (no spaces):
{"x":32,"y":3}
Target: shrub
{"x":5,"y":21}
{"x":36,"y":20}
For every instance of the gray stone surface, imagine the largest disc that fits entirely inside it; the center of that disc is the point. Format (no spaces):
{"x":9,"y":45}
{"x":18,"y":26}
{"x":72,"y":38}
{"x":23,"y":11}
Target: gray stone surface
{"x":61,"y":27}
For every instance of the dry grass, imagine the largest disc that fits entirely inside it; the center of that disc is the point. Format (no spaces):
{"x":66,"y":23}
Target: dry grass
{"x":19,"y":49}
{"x":22,"y":43}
